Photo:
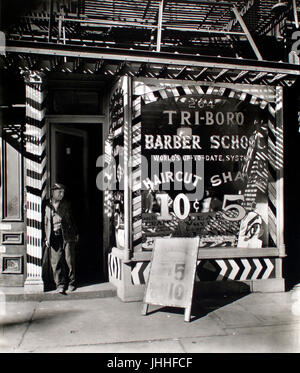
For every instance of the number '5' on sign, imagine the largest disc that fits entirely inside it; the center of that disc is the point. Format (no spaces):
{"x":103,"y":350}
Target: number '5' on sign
{"x":232,"y":211}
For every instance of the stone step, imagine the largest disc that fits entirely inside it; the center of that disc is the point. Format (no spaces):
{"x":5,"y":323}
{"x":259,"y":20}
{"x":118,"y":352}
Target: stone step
{"x":17,"y":294}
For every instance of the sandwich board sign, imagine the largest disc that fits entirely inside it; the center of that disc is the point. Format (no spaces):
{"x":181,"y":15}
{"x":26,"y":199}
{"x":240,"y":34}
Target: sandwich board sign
{"x":172,"y":274}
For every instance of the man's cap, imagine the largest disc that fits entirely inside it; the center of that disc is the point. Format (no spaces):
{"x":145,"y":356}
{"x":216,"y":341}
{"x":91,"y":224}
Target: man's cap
{"x":56,"y":186}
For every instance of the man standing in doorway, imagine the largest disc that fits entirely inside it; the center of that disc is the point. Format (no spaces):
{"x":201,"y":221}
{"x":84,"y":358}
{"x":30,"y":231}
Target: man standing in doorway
{"x":61,"y":237}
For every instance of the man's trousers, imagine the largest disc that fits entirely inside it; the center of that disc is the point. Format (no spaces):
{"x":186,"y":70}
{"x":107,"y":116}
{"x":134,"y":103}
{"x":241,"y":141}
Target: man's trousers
{"x":62,"y":261}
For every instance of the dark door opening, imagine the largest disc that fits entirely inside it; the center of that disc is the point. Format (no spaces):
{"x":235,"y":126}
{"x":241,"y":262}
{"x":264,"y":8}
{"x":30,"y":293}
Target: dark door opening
{"x":74,"y":150}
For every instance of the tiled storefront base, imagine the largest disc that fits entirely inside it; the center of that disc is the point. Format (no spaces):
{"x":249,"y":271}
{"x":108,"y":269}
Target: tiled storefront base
{"x":130,"y":279}
{"x":126,"y":291}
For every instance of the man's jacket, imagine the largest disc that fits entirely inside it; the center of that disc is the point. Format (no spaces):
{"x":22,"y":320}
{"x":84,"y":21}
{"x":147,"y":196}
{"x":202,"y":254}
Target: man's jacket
{"x":68,"y":225}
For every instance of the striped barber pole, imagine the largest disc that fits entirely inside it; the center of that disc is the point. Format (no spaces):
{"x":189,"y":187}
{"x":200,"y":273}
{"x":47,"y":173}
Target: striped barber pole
{"x":108,"y":193}
{"x":136,"y":175}
{"x":275,"y":156}
{"x":35,"y":135}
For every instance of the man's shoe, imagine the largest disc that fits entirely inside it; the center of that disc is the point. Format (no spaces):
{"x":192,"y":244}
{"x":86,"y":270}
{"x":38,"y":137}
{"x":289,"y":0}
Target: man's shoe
{"x":72,"y":287}
{"x":60,"y":289}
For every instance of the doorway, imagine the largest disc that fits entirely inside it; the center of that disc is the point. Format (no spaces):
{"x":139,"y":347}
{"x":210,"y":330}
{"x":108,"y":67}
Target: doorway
{"x":74,"y":149}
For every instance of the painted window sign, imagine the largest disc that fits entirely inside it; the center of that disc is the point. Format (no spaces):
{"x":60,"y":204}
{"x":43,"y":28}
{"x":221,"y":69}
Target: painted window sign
{"x":205,"y":170}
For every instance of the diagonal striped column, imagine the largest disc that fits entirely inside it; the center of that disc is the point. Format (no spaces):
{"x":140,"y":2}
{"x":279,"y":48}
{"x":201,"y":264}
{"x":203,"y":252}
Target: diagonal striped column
{"x":136,"y":175}
{"x":279,"y":173}
{"x":35,"y":180}
{"x":275,"y":157}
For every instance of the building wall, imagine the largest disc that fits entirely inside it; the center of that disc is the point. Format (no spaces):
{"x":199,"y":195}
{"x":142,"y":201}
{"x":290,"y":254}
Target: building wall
{"x":16,"y":222}
{"x":13,"y":236}
{"x":24,"y":183}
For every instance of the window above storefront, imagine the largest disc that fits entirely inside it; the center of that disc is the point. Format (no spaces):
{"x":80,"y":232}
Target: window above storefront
{"x":76,"y":102}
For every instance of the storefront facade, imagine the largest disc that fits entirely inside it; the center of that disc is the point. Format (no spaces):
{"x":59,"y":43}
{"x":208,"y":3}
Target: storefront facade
{"x":160,"y":145}
{"x":230,"y":159}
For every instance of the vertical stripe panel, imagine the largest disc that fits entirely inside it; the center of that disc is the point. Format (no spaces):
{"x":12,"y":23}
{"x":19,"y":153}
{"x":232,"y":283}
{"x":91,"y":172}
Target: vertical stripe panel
{"x":35,"y":174}
{"x":136,"y":173}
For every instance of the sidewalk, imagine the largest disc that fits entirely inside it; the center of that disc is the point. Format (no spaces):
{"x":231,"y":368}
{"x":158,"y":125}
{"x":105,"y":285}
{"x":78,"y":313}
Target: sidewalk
{"x":249,"y":323}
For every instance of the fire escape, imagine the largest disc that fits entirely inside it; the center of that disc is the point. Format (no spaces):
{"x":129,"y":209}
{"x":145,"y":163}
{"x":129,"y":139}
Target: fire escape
{"x":232,"y":41}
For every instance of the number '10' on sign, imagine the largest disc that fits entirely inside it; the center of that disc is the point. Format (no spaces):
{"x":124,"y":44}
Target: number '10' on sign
{"x":232,"y":211}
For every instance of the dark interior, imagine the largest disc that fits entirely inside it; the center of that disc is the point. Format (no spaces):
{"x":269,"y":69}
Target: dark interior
{"x":79,"y":175}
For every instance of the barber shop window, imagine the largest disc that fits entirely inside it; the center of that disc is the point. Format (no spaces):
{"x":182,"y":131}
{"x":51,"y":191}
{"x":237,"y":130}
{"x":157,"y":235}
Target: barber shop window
{"x":76,"y":102}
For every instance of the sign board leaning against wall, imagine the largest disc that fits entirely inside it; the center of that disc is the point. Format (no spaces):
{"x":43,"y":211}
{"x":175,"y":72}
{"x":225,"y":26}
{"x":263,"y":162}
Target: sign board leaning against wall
{"x":172,"y":274}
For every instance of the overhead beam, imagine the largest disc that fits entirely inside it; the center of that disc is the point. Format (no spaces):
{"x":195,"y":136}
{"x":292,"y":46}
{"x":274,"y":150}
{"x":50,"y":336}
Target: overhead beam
{"x":150,"y":57}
